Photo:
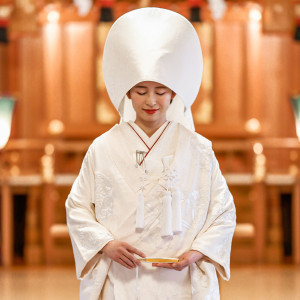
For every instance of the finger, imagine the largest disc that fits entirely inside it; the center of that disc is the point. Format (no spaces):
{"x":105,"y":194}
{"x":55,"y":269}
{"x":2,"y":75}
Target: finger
{"x":179,"y":267}
{"x":185,"y":259}
{"x":124,"y":256}
{"x":132,"y":258}
{"x":121,"y":262}
{"x":163,"y":265}
{"x":136,"y":261}
{"x":124,"y":263}
{"x":128,"y":261}
{"x":135,"y":251}
{"x":182,"y":263}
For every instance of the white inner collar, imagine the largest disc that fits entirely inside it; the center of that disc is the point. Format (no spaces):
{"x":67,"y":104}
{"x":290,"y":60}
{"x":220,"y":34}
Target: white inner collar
{"x":149,"y":140}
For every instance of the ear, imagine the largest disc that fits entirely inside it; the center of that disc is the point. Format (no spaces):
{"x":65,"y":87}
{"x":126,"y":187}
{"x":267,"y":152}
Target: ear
{"x":128,"y":95}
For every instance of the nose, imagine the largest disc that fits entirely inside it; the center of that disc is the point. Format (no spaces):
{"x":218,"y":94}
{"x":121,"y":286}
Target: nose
{"x":151,"y":100}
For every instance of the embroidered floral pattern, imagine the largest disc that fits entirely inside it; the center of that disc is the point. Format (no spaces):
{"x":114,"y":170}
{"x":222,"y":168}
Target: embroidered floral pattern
{"x":89,"y":237}
{"x":220,"y":202}
{"x":194,"y":208}
{"x":190,"y":208}
{"x":168,"y":179}
{"x":103,"y":197}
{"x":222,"y":248}
{"x":204,"y":153}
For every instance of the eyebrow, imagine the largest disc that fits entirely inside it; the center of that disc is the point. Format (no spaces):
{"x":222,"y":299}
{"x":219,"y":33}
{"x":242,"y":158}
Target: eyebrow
{"x":140,"y":86}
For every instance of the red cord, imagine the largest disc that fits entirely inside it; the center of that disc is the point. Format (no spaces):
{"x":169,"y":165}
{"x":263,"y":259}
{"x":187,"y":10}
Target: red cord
{"x":149,"y":149}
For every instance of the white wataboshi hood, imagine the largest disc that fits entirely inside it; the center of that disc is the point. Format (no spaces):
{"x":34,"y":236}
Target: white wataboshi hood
{"x":153,"y":44}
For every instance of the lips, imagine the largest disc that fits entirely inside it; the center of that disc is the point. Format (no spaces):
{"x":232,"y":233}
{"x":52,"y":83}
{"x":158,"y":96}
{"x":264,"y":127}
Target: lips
{"x":150,"y":111}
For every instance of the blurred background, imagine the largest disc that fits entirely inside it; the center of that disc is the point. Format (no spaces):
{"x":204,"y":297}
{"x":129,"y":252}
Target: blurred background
{"x":53,"y":103}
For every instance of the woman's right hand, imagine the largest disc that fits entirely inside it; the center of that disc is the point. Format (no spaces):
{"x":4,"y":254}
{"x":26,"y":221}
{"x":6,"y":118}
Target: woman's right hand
{"x":123,"y":253}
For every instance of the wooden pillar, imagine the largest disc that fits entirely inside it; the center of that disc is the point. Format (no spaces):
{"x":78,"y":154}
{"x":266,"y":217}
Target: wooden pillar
{"x":260,"y":220}
{"x":3,"y":67}
{"x":47,"y":220}
{"x":253,"y":73}
{"x":48,"y":200}
{"x":33,"y":236}
{"x":296,"y":221}
{"x":54,"y":80}
{"x":7,"y":224}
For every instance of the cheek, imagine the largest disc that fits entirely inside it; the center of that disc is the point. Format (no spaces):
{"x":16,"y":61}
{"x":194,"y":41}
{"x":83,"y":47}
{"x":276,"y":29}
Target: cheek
{"x":134,"y":105}
{"x":137,"y":105}
{"x":136,"y":102}
{"x":165,"y":103}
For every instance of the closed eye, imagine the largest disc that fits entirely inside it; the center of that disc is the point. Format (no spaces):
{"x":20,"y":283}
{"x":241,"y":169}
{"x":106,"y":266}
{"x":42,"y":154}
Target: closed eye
{"x":141,"y":93}
{"x":160,"y":94}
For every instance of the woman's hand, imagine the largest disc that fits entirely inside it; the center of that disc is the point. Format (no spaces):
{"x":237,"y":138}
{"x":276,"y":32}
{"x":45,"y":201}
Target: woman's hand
{"x":122,"y":253}
{"x":185,"y":260}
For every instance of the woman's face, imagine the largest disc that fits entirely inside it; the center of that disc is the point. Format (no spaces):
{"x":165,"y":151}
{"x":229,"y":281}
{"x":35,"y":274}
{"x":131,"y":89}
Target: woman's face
{"x":150,"y":101}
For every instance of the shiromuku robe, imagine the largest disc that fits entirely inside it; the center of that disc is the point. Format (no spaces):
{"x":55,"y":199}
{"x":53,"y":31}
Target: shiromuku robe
{"x":102,"y":207}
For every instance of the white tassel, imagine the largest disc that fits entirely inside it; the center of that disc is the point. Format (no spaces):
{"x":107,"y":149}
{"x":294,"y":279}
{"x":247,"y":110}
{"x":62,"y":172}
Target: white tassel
{"x":176,"y":208}
{"x":140,"y":212}
{"x":166,"y":228}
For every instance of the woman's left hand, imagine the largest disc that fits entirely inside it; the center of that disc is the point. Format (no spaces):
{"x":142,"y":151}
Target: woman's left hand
{"x":185,"y":260}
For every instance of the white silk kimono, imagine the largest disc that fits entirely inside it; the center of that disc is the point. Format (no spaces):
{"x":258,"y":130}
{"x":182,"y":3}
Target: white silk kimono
{"x":102,"y":206}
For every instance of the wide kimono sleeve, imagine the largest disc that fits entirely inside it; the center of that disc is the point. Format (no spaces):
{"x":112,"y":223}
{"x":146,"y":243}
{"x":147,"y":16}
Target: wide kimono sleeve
{"x":215,"y":237}
{"x":88,"y":236}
